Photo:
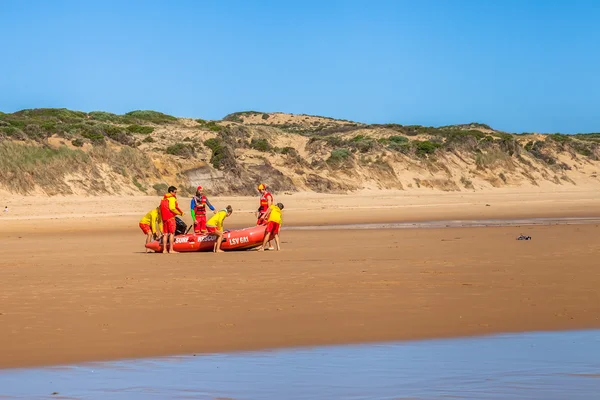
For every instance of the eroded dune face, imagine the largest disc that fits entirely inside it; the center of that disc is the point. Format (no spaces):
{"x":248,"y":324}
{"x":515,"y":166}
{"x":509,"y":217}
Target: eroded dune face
{"x":142,"y":152}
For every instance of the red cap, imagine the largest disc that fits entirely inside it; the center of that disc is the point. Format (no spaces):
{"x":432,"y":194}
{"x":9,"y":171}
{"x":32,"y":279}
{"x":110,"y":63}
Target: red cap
{"x":199,"y":188}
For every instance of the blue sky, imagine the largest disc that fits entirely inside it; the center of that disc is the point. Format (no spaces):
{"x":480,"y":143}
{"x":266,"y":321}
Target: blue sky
{"x":519,"y":66}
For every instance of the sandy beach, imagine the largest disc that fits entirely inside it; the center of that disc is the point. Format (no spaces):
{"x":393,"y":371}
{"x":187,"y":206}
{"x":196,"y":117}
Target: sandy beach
{"x":75,"y":284}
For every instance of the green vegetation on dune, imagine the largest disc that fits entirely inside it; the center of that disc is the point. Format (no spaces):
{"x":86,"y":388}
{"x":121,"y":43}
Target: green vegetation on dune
{"x":472,"y":125}
{"x":342,"y":146}
{"x":95,"y":127}
{"x":106,"y":116}
{"x":25,"y":166}
{"x":181,"y":150}
{"x":61,"y":114}
{"x":588,"y":136}
{"x":338,"y":156}
{"x":210,"y":125}
{"x":28,"y":158}
{"x":222,"y":155}
{"x":451,"y":139}
{"x":237,"y":116}
{"x":144,"y":130}
{"x":260,"y":144}
{"x":133,"y":117}
{"x":425,"y":147}
{"x":153,"y":117}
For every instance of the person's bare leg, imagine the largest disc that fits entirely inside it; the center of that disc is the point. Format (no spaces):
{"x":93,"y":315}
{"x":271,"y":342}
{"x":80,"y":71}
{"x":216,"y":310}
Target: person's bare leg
{"x":148,"y":239}
{"x":218,"y":244}
{"x":165,"y":242}
{"x":264,"y":243}
{"x":270,"y":240}
{"x":171,"y":240}
{"x":277,"y":242}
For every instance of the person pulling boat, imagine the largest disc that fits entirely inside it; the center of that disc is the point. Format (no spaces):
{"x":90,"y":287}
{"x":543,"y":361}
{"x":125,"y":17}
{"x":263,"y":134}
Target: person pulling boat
{"x":215,"y":225}
{"x":266,"y":200}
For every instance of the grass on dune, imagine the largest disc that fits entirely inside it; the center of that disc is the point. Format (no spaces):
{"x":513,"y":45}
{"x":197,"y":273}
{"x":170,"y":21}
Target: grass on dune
{"x":23,"y":166}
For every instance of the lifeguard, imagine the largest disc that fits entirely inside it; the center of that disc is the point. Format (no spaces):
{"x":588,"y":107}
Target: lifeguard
{"x":168,"y":210}
{"x":198,"y":209}
{"x":151,"y":224}
{"x":266,"y":199}
{"x":274,"y":220}
{"x":215,"y":225}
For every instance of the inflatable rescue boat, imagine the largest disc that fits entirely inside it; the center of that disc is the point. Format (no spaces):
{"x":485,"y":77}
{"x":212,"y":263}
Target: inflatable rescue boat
{"x":240,"y":239}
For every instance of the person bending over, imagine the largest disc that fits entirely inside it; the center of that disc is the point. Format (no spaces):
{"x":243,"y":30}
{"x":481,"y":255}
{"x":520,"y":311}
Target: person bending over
{"x":215,"y":225}
{"x":168,"y":210}
{"x":151,"y":225}
{"x":198,"y":209}
{"x":273,"y":217}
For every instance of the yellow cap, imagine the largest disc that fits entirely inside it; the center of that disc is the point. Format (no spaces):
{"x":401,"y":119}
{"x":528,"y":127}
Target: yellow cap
{"x":262,"y":186}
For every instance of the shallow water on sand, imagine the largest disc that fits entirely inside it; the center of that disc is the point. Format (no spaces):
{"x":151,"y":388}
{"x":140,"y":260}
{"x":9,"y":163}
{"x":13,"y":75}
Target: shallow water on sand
{"x":456,"y":223}
{"x":556,"y":365}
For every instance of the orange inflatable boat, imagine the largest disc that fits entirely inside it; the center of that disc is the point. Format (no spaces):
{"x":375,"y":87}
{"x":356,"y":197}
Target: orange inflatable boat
{"x":241,"y":239}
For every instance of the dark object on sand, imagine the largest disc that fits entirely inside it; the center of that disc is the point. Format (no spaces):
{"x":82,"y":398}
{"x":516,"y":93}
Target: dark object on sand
{"x":180,"y":226}
{"x":522,"y":237}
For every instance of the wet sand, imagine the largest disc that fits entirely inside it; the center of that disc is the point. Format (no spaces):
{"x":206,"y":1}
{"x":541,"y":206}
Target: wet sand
{"x":82,"y":289}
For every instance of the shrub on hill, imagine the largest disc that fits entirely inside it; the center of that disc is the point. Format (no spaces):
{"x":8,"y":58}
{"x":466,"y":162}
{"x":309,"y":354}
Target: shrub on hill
{"x":210,"y":125}
{"x":588,"y":136}
{"x":214,"y":144}
{"x":424,"y":148}
{"x":472,"y":125}
{"x":143,"y":130}
{"x":222,"y":156}
{"x":161,"y":188}
{"x":260,"y":144}
{"x":95,"y":138}
{"x":539,"y":150}
{"x":361,"y":144}
{"x":61,"y":114}
{"x":338,"y":157}
{"x":288,"y":150}
{"x":12,"y":132}
{"x":237,"y":116}
{"x":331,"y":130}
{"x":106,"y":117}
{"x":557,"y":137}
{"x":398,"y":139}
{"x":181,"y":150}
{"x":121,"y":136}
{"x":587,"y":149}
{"x":153,"y":117}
